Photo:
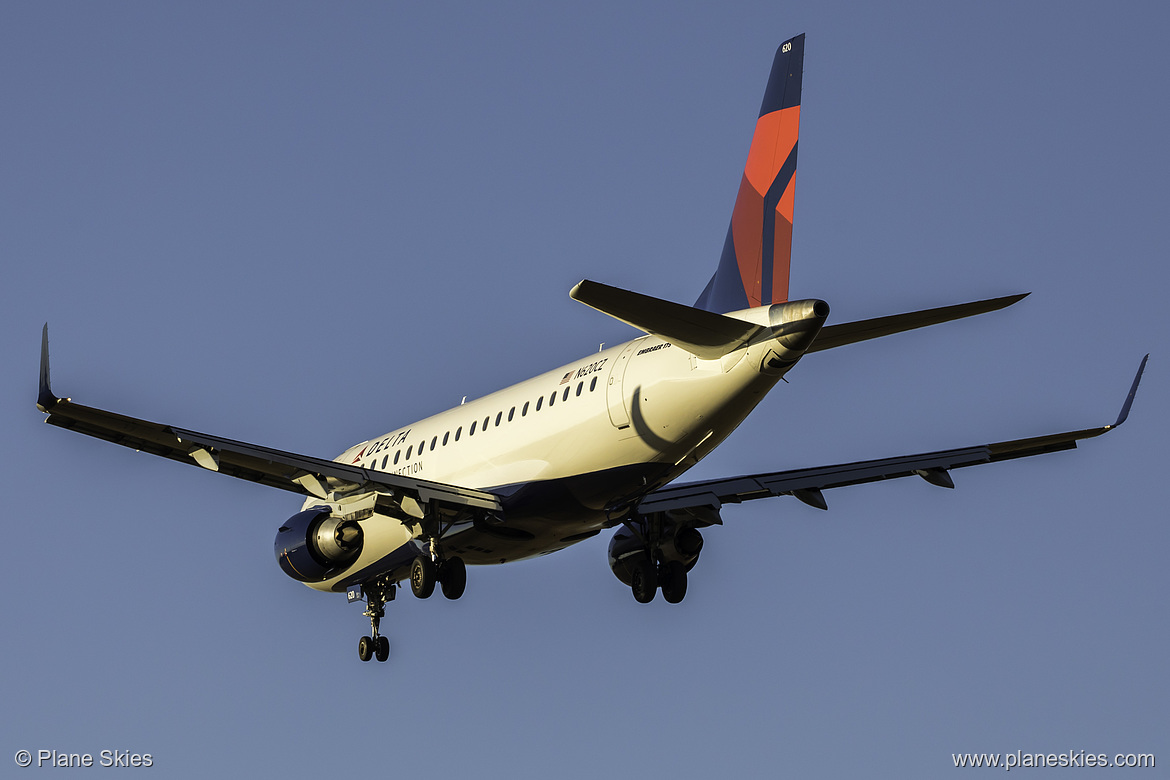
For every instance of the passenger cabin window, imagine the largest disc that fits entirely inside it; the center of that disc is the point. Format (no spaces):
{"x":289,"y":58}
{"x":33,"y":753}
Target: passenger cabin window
{"x":434,"y":441}
{"x":552,"y":399}
{"x":499,"y":416}
{"x":458,"y":431}
{"x":580,"y":386}
{"x":408,"y":449}
{"x":539,"y":401}
{"x":472,"y":431}
{"x":385,"y":458}
{"x":511,"y":413}
{"x":397,"y":454}
{"x":485,"y":421}
{"x":593,"y":385}
{"x":565,"y":397}
{"x":445,"y":435}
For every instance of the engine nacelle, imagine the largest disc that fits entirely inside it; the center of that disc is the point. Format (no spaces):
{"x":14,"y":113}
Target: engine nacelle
{"x":626,"y":547}
{"x":313,"y":545}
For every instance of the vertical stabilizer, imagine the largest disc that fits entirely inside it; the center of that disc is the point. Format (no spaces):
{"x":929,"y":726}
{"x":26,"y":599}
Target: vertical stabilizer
{"x":753,"y":269}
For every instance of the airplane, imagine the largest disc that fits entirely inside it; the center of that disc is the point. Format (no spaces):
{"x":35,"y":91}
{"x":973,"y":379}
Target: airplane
{"x":591,"y":445}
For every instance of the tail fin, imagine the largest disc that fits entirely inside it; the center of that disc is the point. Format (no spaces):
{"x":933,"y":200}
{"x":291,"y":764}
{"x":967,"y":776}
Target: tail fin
{"x":753,"y":269}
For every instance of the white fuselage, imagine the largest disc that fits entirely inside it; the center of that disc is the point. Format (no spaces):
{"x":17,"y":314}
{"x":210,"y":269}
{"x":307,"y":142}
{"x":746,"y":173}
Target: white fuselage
{"x":564,"y":448}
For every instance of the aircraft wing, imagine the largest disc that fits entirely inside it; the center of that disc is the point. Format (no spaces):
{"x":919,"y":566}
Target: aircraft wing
{"x":807,"y":484}
{"x":303,"y":474}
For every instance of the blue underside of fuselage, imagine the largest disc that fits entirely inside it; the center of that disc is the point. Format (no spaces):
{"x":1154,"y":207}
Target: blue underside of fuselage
{"x":538,"y":518}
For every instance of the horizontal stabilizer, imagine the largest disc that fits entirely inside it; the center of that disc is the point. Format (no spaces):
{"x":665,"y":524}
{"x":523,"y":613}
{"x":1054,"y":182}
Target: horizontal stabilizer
{"x":703,"y":333}
{"x":851,"y":332}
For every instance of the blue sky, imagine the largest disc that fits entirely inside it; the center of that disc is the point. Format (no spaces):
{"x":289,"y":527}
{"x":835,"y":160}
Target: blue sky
{"x":306,"y":224}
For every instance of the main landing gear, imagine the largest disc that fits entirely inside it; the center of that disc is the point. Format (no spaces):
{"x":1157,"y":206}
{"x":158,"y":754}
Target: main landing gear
{"x":648,"y":554}
{"x":646,"y":579}
{"x":430,"y":568}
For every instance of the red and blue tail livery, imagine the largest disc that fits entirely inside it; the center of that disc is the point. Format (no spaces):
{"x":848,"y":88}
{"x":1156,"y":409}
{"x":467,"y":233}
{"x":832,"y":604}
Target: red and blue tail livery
{"x":753,"y":269}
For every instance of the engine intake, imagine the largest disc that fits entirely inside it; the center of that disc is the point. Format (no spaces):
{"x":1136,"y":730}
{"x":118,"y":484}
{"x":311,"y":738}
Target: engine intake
{"x":313,"y":545}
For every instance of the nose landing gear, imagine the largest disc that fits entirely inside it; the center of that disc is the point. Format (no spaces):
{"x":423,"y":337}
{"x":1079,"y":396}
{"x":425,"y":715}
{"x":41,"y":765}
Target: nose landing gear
{"x":374,"y":647}
{"x":377,"y":593}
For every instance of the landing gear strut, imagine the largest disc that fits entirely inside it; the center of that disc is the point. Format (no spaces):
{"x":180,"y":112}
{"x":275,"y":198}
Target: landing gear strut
{"x":377,"y":594}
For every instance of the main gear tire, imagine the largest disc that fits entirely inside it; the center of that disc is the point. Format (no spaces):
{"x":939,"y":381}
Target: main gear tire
{"x":453,"y":577}
{"x":422,"y":577}
{"x":643,"y":581}
{"x":673,"y":581}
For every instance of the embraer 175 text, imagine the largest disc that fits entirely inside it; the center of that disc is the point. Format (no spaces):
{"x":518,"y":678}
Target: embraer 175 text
{"x":594,"y":444}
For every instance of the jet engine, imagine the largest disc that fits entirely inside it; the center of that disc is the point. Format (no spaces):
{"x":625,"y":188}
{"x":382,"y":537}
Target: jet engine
{"x":683,"y":544}
{"x":314,"y":545}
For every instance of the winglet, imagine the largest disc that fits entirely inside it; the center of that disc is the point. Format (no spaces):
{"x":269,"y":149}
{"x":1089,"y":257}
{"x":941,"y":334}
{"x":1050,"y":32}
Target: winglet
{"x":45,"y":398}
{"x":1063,"y":441}
{"x":1129,"y":398}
